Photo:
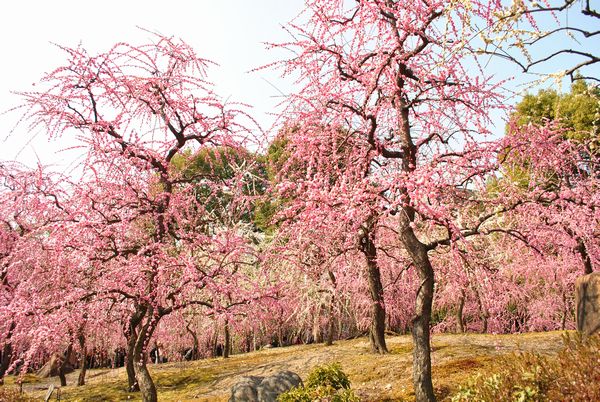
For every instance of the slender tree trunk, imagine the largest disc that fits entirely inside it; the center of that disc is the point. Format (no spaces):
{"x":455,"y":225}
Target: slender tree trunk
{"x":140,"y":357}
{"x":157,"y":356}
{"x":483,"y":313}
{"x":585,"y":257}
{"x":227,"y":346}
{"x":63,"y":365}
{"x":563,"y":324}
{"x":6,"y":353}
{"x":134,"y":386}
{"x":82,"y":359}
{"x":423,"y":307}
{"x":377,"y":328}
{"x":331,"y":312}
{"x":196,"y":345}
{"x":418,"y":254}
{"x":316,"y":330}
{"x":330,"y":321}
{"x":142,"y":374}
{"x":582,"y":250}
{"x":460,"y":323}
{"x":5,"y":357}
{"x":131,"y":336}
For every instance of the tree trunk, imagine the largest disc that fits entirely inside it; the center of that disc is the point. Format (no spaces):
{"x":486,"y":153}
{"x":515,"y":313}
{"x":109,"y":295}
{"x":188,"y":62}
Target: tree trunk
{"x":132,"y":381}
{"x":143,"y":375}
{"x":483,"y":313}
{"x":585,"y":257}
{"x":330,"y":322}
{"x":331,"y":312}
{"x":423,"y":307}
{"x":196,"y":345}
{"x":460,"y":323}
{"x":5,"y":357}
{"x":63,"y":366}
{"x":377,"y":328}
{"x":316,"y":330}
{"x":140,"y":357}
{"x":582,"y":250}
{"x":563,"y":324}
{"x":157,"y":357}
{"x":215,"y":341}
{"x":6,"y":353}
{"x":82,"y":360}
{"x":227,"y":346}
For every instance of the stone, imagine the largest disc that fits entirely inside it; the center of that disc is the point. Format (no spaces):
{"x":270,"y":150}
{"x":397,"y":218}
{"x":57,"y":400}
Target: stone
{"x":587,"y":301}
{"x":245,"y":390}
{"x":264,"y":389}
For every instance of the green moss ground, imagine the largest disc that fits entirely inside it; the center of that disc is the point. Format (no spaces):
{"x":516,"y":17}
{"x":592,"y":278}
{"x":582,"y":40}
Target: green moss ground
{"x":374,"y":378}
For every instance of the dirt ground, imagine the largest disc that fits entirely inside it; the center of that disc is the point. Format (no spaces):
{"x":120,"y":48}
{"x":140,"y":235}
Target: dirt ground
{"x":374,"y":377}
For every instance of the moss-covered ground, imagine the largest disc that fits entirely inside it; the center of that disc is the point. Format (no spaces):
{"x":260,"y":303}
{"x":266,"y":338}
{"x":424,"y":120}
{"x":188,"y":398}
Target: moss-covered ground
{"x":374,"y":377}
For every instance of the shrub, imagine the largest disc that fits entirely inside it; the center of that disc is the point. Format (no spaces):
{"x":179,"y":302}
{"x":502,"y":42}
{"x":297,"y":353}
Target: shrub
{"x":573,"y":374}
{"x":330,"y":375}
{"x":327,"y":383}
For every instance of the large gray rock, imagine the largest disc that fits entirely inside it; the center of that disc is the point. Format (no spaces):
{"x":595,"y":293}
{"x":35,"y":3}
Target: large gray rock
{"x":264,"y":389}
{"x":587,"y":299}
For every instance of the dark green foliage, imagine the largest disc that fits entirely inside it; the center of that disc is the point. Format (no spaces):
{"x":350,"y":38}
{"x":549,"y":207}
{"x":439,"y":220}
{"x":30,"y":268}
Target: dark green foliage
{"x":577,"y":111}
{"x":572,"y":375}
{"x":324,"y":383}
{"x":219,"y":168}
{"x":330,"y":375}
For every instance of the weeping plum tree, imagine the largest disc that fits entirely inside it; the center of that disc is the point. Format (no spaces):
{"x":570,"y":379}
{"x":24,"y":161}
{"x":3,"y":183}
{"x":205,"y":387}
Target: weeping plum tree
{"x":398,"y":79}
{"x":29,"y":201}
{"x":135,"y":218}
{"x":323,"y":233}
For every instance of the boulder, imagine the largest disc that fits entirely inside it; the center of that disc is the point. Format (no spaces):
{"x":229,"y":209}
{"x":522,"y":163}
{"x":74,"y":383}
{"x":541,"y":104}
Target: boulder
{"x":587,"y":300}
{"x":264,"y":389}
{"x":245,"y":390}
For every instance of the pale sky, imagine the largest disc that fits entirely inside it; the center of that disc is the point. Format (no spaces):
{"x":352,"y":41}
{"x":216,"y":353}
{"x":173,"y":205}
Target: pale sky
{"x":228,"y":32}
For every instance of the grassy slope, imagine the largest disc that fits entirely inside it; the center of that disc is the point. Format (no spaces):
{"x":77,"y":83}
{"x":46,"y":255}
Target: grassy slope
{"x":374,"y":378}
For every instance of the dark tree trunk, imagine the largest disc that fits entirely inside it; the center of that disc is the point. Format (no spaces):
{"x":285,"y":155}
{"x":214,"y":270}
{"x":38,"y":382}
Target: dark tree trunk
{"x":331,"y":312}
{"x":316,"y":330}
{"x":377,"y":328}
{"x":563,"y":324}
{"x":131,"y":336}
{"x":423,"y":307}
{"x":82,"y":360}
{"x":196,"y":345}
{"x":134,"y":386}
{"x":483,"y":313}
{"x":143,"y":375}
{"x":6,"y":353}
{"x":460,"y":323}
{"x":5,"y":357}
{"x":63,"y":365}
{"x":215,"y":341}
{"x":585,"y":257}
{"x":227,"y":346}
{"x":140,"y":356}
{"x":156,"y":358}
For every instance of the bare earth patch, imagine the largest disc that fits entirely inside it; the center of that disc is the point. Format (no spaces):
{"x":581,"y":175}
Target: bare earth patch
{"x":374,"y":378}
